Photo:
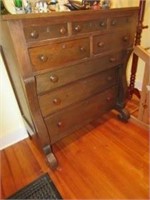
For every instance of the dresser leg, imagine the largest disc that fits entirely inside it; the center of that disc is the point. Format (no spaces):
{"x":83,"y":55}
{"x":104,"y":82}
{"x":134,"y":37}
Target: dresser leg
{"x":51,"y":159}
{"x":124,"y":115}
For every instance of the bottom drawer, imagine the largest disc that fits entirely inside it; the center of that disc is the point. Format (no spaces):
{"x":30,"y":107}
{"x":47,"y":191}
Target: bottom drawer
{"x":72,"y":118}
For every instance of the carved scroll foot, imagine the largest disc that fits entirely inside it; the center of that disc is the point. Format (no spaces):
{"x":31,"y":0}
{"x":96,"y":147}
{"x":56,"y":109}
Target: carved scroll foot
{"x":52,"y":160}
{"x":124,"y":115}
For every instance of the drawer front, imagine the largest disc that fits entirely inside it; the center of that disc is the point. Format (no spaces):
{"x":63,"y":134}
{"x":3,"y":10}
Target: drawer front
{"x":36,"y":33}
{"x":58,"y":54}
{"x":112,"y":41}
{"x":64,"y":122}
{"x":77,"y":91}
{"x":124,"y":21}
{"x":51,"y":80}
{"x":89,"y":26}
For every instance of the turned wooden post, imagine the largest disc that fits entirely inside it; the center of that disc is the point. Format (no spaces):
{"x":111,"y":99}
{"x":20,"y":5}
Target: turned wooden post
{"x":131,"y":89}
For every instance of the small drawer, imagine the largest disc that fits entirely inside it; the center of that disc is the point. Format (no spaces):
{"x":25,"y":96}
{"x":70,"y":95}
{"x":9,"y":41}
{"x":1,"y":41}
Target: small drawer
{"x":58,"y":54}
{"x":72,"y":118}
{"x":77,"y":91}
{"x":122,"y":21}
{"x":51,"y":80}
{"x":89,"y":26}
{"x":37,"y":33}
{"x":112,"y":41}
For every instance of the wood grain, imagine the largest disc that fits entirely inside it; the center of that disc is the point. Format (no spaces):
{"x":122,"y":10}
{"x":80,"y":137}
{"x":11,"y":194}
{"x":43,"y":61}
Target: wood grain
{"x":107,"y":159}
{"x":89,"y":36}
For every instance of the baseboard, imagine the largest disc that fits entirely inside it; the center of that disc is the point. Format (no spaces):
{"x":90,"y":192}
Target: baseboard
{"x":12,"y":138}
{"x":139,"y":123}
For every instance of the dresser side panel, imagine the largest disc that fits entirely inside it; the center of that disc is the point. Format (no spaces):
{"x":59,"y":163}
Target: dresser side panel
{"x":14,"y":75}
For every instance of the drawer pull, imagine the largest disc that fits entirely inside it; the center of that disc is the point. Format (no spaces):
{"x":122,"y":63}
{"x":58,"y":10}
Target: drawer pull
{"x":59,"y":124}
{"x":102,"y":24}
{"x":109,"y":78}
{"x":43,"y":58}
{"x":114,"y":22}
{"x":112,"y":59}
{"x":34,"y":34}
{"x":63,"y":46}
{"x":109,"y":98}
{"x":77,"y":28}
{"x":82,"y":49}
{"x":62,"y":30}
{"x":100,"y":44}
{"x":54,"y":78}
{"x":56,"y":101}
{"x":125,"y":38}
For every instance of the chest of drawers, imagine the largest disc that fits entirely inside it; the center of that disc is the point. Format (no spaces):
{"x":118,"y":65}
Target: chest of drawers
{"x":68,"y":68}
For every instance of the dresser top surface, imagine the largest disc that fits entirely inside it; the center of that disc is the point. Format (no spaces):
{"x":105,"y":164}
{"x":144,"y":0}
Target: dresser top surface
{"x":67,"y":14}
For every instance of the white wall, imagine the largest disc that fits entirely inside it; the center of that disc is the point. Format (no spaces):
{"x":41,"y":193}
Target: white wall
{"x":145,"y":40}
{"x":11,"y":125}
{"x":124,"y":3}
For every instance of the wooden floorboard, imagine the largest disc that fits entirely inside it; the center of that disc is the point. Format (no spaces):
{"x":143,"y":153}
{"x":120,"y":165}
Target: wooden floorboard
{"x":107,"y":159}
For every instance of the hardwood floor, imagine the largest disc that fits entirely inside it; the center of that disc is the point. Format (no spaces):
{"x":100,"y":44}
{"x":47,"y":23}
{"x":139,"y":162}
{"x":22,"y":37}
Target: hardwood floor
{"x":107,"y":159}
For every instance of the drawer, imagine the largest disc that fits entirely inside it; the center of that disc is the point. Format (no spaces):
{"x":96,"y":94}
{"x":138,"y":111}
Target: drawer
{"x":89,"y":26}
{"x":72,"y":118}
{"x":58,"y":54}
{"x":77,"y":91}
{"x":122,"y":21}
{"x":112,"y":41}
{"x":52,"y":80}
{"x":37,"y":33}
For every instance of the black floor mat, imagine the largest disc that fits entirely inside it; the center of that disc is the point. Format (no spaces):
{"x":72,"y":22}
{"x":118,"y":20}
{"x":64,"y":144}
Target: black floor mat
{"x":42,"y":188}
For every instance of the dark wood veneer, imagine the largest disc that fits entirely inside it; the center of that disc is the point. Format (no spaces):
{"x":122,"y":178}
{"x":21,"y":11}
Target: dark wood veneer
{"x":71,"y":68}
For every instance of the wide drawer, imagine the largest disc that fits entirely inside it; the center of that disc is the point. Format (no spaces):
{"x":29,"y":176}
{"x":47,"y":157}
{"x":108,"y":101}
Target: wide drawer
{"x":72,"y":118}
{"x":42,"y":32}
{"x":77,"y":91}
{"x":58,"y":54}
{"x":54,"y":79}
{"x":89,"y":26}
{"x":112,"y":41}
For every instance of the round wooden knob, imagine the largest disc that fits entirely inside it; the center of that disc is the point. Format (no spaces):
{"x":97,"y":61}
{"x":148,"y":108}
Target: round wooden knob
{"x":34,"y":34}
{"x":109,"y":98}
{"x":112,"y":59}
{"x":59,"y":124}
{"x":43,"y":58}
{"x":125,"y":38}
{"x":102,"y":24}
{"x":77,"y":28}
{"x":100,"y":44}
{"x":63,"y":46}
{"x":114,"y":22}
{"x":82,"y":49}
{"x":62,"y":30}
{"x":109,"y":78}
{"x":54,"y":78}
{"x":57,"y":101}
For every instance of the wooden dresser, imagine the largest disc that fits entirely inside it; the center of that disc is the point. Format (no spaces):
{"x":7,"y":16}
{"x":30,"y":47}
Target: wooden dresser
{"x":68,"y":68}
